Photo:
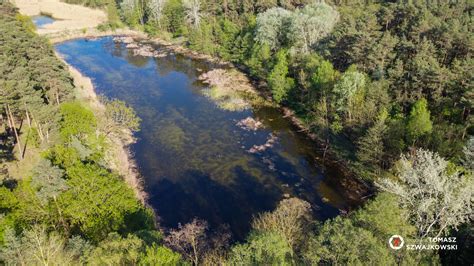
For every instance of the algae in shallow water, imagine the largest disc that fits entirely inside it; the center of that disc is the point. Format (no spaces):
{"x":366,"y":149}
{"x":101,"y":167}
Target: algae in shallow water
{"x":172,"y":137}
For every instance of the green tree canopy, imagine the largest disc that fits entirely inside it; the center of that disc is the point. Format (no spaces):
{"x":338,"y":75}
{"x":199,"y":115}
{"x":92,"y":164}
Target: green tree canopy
{"x":419,"y":122}
{"x":279,"y":82}
{"x":99,"y":202}
{"x":262,"y":249}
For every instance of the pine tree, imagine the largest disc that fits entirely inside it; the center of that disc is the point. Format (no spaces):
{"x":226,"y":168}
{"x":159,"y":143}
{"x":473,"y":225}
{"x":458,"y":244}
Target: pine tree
{"x":370,"y":146}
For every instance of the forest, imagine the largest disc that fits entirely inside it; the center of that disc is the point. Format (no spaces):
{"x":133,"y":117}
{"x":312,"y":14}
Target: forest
{"x":385,"y":85}
{"x":374,"y":80}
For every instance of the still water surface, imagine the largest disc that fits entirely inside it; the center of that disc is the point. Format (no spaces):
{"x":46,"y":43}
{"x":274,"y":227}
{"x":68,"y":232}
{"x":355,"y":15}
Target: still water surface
{"x":193,"y":157}
{"x":41,"y":20}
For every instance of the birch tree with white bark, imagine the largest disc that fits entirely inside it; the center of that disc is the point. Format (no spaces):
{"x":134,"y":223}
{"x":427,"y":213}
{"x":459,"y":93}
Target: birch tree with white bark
{"x":193,"y":12}
{"x":350,"y":85}
{"x":155,"y":8}
{"x":437,"y":195}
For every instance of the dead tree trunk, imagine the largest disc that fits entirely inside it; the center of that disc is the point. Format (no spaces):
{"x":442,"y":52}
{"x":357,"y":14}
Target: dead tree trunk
{"x":57,"y":97}
{"x":27,"y":116}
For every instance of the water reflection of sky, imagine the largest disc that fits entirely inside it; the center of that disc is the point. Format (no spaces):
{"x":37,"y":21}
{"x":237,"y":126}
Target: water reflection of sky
{"x":41,"y":21}
{"x":192,"y":156}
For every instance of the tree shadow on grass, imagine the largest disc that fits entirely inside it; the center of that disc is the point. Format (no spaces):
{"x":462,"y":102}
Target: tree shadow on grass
{"x":6,"y":147}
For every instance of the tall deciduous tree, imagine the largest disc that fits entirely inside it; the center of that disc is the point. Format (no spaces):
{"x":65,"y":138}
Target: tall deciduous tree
{"x":134,"y":11}
{"x":155,"y":8}
{"x":110,"y":197}
{"x":323,"y":78}
{"x":278,"y":79}
{"x":468,"y":150}
{"x":437,"y":196}
{"x":36,"y":246}
{"x":77,"y":121}
{"x":419,"y":122}
{"x":310,"y":24}
{"x":117,"y":250}
{"x":339,"y":241}
{"x":262,"y":249}
{"x":290,"y":220}
{"x":175,"y":17}
{"x":272,"y":27}
{"x":160,"y":255}
{"x":190,"y":240}
{"x":193,"y":12}
{"x":336,"y":242}
{"x":118,"y":117}
{"x":351,"y":84}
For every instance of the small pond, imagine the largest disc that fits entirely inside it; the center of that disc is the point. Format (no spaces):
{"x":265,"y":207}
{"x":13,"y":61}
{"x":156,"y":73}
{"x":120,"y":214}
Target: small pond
{"x":194,"y":158}
{"x":42,"y":20}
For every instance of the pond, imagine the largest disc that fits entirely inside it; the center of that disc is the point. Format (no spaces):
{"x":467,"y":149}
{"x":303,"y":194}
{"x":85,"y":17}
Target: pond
{"x":41,"y":20}
{"x":195,"y":159}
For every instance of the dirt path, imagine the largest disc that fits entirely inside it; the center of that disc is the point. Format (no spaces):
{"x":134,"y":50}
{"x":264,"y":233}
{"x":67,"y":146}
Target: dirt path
{"x":68,"y":17}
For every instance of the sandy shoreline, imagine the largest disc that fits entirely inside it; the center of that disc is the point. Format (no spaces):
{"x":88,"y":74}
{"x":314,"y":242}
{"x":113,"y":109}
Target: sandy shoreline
{"x":68,"y":17}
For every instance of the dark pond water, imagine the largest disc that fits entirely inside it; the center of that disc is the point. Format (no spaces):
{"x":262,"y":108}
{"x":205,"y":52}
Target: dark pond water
{"x":41,"y":20}
{"x":193,"y":157}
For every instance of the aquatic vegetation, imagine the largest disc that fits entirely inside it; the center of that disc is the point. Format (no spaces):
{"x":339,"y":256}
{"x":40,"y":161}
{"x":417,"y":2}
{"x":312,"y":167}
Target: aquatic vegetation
{"x":172,"y":137}
{"x":227,"y":99}
{"x":230,"y":89}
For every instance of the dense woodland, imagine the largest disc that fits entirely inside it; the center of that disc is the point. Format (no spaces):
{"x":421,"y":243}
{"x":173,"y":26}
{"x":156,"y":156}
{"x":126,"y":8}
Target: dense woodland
{"x":387,"y":86}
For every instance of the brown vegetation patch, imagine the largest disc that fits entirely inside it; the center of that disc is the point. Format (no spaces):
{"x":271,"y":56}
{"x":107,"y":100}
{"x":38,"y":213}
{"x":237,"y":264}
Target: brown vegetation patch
{"x":250,"y":124}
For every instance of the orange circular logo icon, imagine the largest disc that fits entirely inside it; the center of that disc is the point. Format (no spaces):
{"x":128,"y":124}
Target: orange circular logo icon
{"x":396,"y":242}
